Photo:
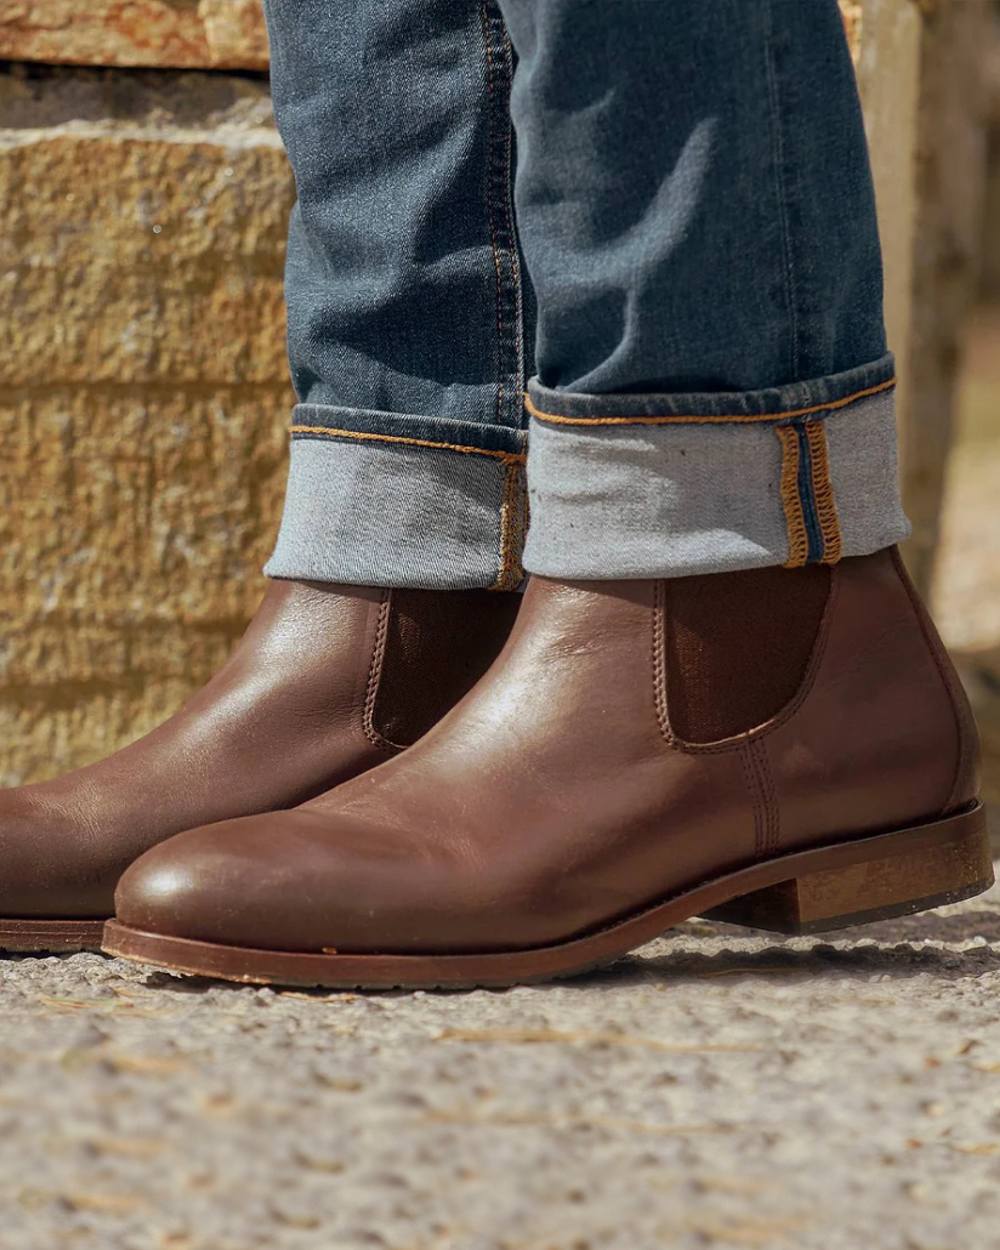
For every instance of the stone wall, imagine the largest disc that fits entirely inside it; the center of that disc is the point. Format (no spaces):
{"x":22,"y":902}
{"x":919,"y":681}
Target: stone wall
{"x":222,"y":34}
{"x":144,"y":397}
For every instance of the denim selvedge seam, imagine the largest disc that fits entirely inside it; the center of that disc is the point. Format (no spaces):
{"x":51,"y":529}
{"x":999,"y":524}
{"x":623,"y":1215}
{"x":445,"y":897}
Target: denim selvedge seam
{"x":513,"y":525}
{"x":807,"y":494}
{"x":498,"y":67}
{"x":814,"y":535}
{"x":824,"y":503}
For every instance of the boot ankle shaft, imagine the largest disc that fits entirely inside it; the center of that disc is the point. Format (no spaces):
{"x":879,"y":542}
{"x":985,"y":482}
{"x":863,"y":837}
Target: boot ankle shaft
{"x":852,"y":648}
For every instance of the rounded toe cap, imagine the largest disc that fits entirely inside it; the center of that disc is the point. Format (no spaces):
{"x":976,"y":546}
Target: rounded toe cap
{"x":191,"y":885}
{"x":275,"y":881}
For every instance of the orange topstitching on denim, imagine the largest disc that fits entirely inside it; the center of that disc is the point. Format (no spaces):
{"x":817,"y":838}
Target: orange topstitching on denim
{"x":512,"y":528}
{"x":555,"y":418}
{"x":791,"y":500}
{"x":505,"y":457}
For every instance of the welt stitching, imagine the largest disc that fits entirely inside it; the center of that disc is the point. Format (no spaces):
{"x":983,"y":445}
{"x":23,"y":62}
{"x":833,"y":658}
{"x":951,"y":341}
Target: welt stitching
{"x":375,"y":676}
{"x":936,"y":649}
{"x":744,"y":418}
{"x":324,"y":431}
{"x":752,"y":784}
{"x":772,"y":726}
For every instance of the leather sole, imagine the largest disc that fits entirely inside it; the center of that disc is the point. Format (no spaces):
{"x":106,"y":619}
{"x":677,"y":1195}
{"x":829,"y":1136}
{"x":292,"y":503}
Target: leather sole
{"x":829,"y":887}
{"x":50,"y":936}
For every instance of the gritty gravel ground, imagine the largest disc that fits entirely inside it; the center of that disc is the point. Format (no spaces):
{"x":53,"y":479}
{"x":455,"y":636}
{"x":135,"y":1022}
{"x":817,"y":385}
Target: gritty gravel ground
{"x":720,"y":1088}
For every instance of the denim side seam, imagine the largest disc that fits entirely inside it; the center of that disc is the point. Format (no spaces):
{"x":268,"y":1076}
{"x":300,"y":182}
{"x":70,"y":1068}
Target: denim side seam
{"x":781,"y":188}
{"x":498,"y":70}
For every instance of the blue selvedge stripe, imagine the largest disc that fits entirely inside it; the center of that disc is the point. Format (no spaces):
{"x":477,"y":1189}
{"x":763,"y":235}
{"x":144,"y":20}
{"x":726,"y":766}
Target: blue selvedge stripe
{"x":807,"y":497}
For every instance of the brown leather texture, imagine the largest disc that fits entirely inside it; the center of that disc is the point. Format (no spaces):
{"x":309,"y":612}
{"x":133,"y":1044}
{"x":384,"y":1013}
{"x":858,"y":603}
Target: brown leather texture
{"x":287,"y":718}
{"x":558,"y":797}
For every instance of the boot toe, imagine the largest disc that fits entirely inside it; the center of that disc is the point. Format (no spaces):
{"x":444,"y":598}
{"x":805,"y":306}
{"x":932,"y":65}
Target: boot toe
{"x":281,"y":881}
{"x":211,"y":884}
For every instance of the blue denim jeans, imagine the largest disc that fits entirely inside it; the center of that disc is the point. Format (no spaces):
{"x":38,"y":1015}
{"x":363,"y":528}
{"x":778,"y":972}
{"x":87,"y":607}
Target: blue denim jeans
{"x":617,"y":259}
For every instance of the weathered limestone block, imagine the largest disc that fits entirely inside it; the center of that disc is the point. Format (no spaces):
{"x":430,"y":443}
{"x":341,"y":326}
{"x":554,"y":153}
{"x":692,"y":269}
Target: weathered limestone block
{"x":222,"y":34}
{"x":143,"y":396}
{"x":853,"y":14}
{"x":921,"y":67}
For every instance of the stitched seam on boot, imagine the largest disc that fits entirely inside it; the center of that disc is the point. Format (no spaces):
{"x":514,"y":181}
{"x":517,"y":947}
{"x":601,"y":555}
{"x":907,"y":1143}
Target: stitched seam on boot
{"x":772,"y":823}
{"x":660,"y":663}
{"x":759,"y":812}
{"x":377,"y":740}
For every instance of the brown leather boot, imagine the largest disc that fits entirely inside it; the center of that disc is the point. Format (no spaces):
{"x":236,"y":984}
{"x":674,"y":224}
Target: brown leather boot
{"x":791,"y":746}
{"x":327,"y":682}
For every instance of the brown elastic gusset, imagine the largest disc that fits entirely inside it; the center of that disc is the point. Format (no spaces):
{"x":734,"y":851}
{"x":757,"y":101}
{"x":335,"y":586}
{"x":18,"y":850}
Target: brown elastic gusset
{"x":738,"y":646}
{"x":436,"y":649}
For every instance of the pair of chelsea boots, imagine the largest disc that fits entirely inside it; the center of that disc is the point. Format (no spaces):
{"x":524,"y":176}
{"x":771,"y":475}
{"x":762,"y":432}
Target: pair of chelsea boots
{"x":788,"y":749}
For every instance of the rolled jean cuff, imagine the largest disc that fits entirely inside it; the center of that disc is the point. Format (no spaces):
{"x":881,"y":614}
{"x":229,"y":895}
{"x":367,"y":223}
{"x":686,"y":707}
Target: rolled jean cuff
{"x":668,"y":485}
{"x":389,"y":499}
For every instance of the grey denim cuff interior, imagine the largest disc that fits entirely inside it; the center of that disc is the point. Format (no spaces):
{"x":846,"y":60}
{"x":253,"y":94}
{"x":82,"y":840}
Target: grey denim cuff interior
{"x":384,"y":499}
{"x":627,"y":486}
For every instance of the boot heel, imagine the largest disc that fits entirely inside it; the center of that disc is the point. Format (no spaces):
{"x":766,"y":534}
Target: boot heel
{"x":902,"y":877}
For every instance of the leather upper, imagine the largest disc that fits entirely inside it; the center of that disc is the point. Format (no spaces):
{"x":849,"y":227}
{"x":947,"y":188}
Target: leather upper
{"x":556,"y":797}
{"x":298,"y":708}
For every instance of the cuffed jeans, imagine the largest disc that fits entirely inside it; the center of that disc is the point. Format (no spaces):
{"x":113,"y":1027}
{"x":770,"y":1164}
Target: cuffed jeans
{"x":623,"y":249}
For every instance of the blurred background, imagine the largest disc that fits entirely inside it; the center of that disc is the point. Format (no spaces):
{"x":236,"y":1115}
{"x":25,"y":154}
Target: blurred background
{"x":144,"y":394}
